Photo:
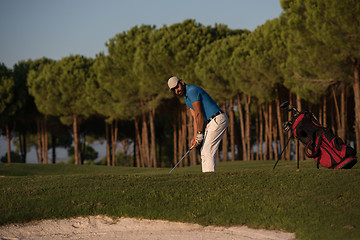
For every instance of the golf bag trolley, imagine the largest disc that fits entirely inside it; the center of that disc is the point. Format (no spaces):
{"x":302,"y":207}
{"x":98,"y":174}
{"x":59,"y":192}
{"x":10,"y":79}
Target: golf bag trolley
{"x":320,"y":143}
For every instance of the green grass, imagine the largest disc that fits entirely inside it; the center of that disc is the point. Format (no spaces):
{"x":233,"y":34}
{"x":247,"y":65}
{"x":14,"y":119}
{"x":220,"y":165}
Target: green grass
{"x":313,"y":203}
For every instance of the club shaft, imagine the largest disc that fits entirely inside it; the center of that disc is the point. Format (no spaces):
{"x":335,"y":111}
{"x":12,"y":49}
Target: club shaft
{"x":180,"y":160}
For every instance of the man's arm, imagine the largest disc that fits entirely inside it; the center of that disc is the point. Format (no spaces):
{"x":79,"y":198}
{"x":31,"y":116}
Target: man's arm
{"x":198,"y":117}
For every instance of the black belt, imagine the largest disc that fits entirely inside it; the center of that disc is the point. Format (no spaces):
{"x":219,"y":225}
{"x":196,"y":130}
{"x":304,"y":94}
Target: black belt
{"x":214,"y":116}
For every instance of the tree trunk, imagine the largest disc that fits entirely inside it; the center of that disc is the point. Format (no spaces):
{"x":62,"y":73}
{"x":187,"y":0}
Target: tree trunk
{"x":153,"y":138}
{"x":261,"y":123}
{"x":175,"y":141}
{"x":8,"y":138}
{"x":108,"y":153}
{"x":242,"y":130}
{"x":22,"y":142}
{"x":39,"y":150}
{"x":82,"y":144}
{"x":116,"y":140}
{"x":80,"y":157}
{"x":324,"y":112}
{"x":114,"y":133}
{"x":275,"y":137}
{"x":145,"y":141}
{"x":225,"y":142}
{"x":343,"y":114}
{"x":257,"y":137}
{"x":237,"y":139}
{"x":136,"y":157}
{"x":248,"y":128}
{"x":112,"y":143}
{"x":184,"y":136}
{"x":140,"y":157}
{"x":44,"y":141}
{"x":270,"y":133}
{"x":266,"y":122}
{"x":180,"y":136}
{"x":53,"y":146}
{"x":356,"y":88}
{"x":337,"y":114}
{"x":232,"y":128}
{"x":76,"y":139}
{"x":320,"y":112}
{"x":281,"y":132}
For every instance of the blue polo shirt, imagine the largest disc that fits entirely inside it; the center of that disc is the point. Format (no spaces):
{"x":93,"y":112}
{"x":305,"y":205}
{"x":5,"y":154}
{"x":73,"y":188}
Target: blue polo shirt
{"x":194,"y":93}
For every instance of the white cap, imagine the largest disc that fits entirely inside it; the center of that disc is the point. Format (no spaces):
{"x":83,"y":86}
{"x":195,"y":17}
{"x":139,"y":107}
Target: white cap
{"x":173,"y":81}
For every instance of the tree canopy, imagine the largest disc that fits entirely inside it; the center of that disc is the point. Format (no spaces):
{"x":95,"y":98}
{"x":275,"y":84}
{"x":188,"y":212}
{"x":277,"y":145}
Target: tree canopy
{"x":312,"y":47}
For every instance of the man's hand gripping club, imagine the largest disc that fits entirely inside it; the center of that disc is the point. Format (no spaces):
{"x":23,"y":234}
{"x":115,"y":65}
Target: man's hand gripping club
{"x":197,"y":140}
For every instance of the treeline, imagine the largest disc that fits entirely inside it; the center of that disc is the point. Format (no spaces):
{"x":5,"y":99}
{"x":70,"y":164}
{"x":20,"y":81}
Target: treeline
{"x":310,"y":55}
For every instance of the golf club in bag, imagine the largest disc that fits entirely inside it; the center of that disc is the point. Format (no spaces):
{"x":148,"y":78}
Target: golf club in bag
{"x":321,"y":144}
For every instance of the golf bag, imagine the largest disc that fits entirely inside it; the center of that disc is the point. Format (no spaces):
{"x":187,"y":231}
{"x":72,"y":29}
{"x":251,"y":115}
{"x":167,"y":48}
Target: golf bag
{"x":321,"y":143}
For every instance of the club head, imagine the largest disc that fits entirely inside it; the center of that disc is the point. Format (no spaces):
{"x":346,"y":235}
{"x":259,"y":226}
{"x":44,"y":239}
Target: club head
{"x":284,"y":105}
{"x":293,"y":109}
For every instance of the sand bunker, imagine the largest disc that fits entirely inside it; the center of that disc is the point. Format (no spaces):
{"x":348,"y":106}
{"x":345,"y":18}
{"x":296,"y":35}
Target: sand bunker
{"x":100,"y":227}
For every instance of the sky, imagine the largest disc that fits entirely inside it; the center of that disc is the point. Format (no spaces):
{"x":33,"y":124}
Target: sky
{"x":31,"y":29}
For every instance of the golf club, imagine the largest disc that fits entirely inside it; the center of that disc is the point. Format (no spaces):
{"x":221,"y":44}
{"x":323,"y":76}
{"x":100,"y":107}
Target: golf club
{"x":286,"y":126}
{"x":284,"y":105}
{"x":181,"y":159}
{"x":288,"y":106}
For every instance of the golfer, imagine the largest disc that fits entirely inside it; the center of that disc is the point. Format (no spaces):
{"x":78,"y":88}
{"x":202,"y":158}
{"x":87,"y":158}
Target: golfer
{"x":210,"y":122}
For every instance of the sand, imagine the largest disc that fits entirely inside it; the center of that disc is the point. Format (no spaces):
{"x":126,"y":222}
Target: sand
{"x":101,"y":227}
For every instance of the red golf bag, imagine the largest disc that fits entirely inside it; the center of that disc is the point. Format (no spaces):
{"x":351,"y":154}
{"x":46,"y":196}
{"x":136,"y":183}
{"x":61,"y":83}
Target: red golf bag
{"x":321,"y":143}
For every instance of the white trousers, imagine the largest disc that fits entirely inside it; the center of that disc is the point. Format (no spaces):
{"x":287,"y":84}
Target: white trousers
{"x":214,"y":132}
